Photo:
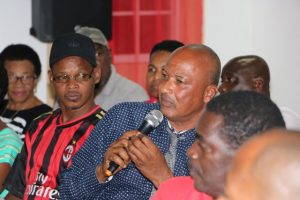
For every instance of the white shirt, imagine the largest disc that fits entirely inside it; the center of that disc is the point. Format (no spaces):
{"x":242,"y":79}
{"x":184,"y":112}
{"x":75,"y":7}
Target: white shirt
{"x":119,"y":89}
{"x":291,"y":118}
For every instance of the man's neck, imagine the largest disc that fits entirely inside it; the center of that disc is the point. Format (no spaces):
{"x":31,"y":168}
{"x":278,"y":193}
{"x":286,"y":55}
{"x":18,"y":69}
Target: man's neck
{"x":73,"y":114}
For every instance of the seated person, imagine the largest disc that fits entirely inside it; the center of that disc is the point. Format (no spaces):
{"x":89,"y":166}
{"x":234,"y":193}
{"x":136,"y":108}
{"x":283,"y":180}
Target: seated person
{"x":189,"y":81}
{"x":252,"y":73}
{"x":113,"y":88}
{"x":10,"y":143}
{"x":228,"y":121}
{"x":23,"y":67}
{"x":53,"y":139}
{"x":159,"y":55}
{"x":266,"y":167}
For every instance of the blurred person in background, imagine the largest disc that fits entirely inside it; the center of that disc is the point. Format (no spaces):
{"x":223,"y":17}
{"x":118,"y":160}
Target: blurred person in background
{"x":10,"y":143}
{"x":23,"y":67}
{"x":159,"y":55}
{"x":266,"y":167}
{"x":113,"y":88}
{"x":251,"y":72}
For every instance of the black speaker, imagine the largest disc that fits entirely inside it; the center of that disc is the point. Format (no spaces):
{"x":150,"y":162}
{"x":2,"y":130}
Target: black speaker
{"x":51,"y":18}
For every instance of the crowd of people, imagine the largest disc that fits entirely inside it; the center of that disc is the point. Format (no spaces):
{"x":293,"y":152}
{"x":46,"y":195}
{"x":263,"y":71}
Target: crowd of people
{"x":216,"y":140}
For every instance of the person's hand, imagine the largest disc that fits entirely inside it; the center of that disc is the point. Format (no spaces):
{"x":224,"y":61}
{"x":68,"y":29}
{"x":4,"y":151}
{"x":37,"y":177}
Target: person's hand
{"x":2,"y":125}
{"x":116,"y":152}
{"x":148,"y":159}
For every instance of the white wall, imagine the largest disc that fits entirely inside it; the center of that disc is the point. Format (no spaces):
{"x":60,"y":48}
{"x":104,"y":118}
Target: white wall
{"x":268,"y":28}
{"x":15,"y":22}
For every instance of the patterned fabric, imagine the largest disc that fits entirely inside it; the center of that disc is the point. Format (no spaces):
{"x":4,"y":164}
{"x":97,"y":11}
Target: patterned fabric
{"x":181,"y":188}
{"x":19,"y":121}
{"x":80,"y":181}
{"x":49,"y":146}
{"x":10,"y":146}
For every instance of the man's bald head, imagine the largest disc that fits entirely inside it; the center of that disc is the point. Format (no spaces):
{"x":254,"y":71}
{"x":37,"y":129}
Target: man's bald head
{"x":248,"y":72}
{"x":202,"y":54}
{"x":188,"y":81}
{"x":266,"y":167}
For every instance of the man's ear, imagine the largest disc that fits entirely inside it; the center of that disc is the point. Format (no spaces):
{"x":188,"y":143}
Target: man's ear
{"x":209,"y":93}
{"x":258,"y":83}
{"x":50,"y":75}
{"x":97,"y":73}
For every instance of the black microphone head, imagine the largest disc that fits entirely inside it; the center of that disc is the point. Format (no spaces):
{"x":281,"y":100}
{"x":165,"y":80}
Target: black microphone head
{"x":154,"y":117}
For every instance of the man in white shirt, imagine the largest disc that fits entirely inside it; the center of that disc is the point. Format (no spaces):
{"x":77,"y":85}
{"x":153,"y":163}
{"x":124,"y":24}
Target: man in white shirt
{"x":251,"y":72}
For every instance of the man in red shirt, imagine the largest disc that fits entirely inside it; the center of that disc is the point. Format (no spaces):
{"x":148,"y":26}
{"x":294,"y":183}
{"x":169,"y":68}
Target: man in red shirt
{"x":54,"y":138}
{"x":228,"y":121}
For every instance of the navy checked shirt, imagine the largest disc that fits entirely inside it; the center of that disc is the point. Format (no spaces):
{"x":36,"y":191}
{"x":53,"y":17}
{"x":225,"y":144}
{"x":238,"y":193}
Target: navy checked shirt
{"x":80,"y":181}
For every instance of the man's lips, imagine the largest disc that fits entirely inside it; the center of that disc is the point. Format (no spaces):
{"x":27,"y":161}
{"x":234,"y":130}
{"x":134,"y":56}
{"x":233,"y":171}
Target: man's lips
{"x":166,"y":101}
{"x":72,"y":96}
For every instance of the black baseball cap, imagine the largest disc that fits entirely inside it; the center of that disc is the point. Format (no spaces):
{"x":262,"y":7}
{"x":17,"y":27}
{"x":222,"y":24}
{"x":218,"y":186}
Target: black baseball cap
{"x":73,"y":44}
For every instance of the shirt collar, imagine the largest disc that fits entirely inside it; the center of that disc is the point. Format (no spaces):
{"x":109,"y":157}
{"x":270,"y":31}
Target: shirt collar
{"x":174,"y":131}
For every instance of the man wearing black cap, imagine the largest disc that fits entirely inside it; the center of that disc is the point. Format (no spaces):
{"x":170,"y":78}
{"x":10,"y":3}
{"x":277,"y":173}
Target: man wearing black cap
{"x":54,"y":138}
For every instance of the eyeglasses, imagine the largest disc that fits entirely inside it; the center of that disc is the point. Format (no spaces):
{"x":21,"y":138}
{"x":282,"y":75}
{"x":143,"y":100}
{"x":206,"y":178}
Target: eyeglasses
{"x":26,"y":79}
{"x":80,"y":77}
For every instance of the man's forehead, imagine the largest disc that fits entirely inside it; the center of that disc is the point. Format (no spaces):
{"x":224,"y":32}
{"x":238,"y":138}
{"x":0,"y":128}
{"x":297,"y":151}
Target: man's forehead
{"x":208,"y":123}
{"x":245,"y":61}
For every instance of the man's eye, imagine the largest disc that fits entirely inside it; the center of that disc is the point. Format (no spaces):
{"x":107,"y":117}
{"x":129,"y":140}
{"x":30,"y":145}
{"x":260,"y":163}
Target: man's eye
{"x":151,"y":69}
{"x":83,"y":77}
{"x":164,"y":75}
{"x":62,"y":77}
{"x":179,"y":81}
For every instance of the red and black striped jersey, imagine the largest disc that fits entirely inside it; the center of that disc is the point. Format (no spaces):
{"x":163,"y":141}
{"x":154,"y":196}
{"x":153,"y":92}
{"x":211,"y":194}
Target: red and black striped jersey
{"x":48,"y":149}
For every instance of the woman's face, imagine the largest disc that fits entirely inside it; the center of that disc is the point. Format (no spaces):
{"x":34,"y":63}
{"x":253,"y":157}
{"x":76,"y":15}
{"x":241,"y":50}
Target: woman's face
{"x":157,"y":60}
{"x":22,"y":80}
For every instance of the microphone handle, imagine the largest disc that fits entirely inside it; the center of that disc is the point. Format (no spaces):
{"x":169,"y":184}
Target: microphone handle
{"x":112,"y":168}
{"x":144,"y":128}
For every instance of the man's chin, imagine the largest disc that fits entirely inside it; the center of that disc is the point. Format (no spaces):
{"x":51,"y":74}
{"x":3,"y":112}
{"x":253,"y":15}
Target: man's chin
{"x":72,"y":107}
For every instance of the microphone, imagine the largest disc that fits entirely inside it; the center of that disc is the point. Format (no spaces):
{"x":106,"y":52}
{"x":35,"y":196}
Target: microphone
{"x":151,"y":121}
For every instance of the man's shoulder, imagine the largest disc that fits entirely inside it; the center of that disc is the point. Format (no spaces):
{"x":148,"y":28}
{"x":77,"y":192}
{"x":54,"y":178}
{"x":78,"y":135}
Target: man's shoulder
{"x":291,"y":118}
{"x":128,"y":85}
{"x":129,"y":113}
{"x":180,"y":181}
{"x":134,"y":106}
{"x":40,"y":120}
{"x":181,"y":187}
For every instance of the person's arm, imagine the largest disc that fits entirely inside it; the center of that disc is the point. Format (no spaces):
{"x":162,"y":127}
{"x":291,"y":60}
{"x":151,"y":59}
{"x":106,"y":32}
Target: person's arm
{"x":10,"y":147}
{"x":80,"y":181}
{"x":4,"y":169}
{"x":11,"y":197}
{"x":15,"y":181}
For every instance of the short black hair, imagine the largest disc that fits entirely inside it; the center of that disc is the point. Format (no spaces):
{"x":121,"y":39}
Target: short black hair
{"x":3,"y":83}
{"x":245,"y":113}
{"x":166,"y":45}
{"x":21,"y":52}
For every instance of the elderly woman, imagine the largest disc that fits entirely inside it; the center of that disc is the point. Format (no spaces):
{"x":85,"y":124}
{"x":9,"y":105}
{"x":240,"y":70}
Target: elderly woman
{"x":10,"y":143}
{"x":22,"y":106}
